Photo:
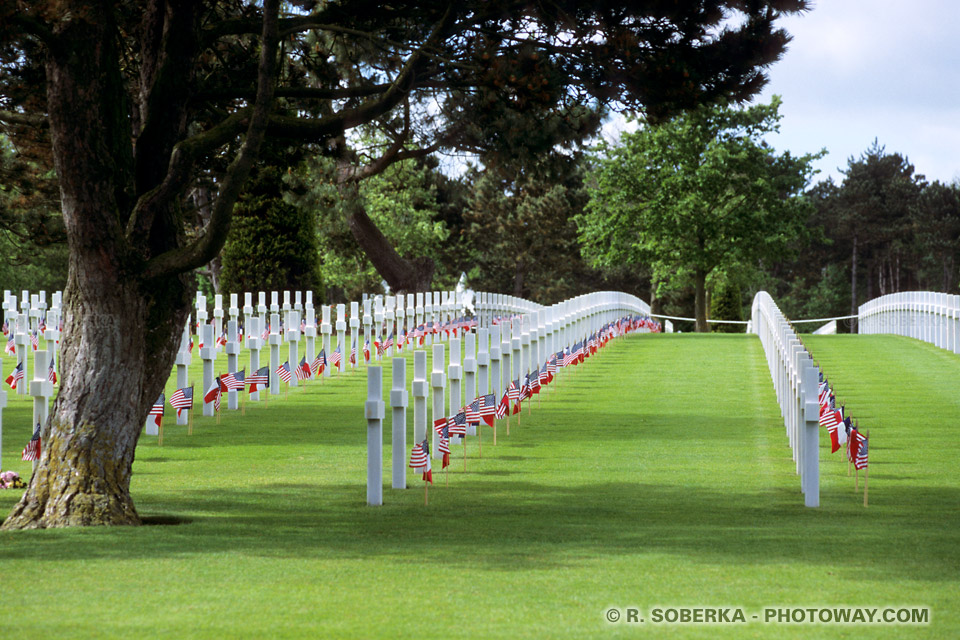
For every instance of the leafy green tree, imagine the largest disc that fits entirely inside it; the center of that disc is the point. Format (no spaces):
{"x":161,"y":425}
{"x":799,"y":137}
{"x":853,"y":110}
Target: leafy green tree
{"x":698,"y":192}
{"x":401,"y":201}
{"x":938,"y":236}
{"x":876,"y":207}
{"x":272,"y":244}
{"x":519,"y":233}
{"x":726,"y":303}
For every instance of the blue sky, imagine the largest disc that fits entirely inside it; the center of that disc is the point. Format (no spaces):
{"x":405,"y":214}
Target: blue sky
{"x":863,"y":69}
{"x":857,"y":70}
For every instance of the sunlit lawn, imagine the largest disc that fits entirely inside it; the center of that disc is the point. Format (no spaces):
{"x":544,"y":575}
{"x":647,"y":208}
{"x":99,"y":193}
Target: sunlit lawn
{"x":656,"y":474}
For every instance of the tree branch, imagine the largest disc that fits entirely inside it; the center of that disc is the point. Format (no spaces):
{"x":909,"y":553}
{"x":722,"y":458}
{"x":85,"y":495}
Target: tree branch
{"x":179,"y":172}
{"x":211,"y":239}
{"x":29,"y":119}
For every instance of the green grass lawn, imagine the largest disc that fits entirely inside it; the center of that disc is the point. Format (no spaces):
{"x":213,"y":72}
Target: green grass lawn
{"x":657,"y":474}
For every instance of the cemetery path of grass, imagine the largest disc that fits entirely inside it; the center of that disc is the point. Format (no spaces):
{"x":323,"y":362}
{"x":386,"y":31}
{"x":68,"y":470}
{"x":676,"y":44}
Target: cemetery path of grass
{"x":656,"y":474}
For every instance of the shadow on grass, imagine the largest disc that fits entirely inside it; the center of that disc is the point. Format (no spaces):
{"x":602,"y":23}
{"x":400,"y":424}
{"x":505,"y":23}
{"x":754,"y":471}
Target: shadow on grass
{"x":506,"y":525}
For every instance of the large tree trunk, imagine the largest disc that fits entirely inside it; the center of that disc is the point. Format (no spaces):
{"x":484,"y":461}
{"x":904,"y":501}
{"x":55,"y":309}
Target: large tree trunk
{"x":125,"y":302}
{"x":700,"y":301}
{"x":518,"y":277}
{"x":120,"y":332}
{"x":113,"y":370}
{"x":402,"y":274}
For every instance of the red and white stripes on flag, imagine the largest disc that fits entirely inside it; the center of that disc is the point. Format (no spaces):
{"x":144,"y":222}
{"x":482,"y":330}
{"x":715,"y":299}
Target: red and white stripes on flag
{"x":32,"y":450}
{"x":283,"y":371}
{"x":259,"y":379}
{"x":182,"y":399}
{"x":420,"y":460}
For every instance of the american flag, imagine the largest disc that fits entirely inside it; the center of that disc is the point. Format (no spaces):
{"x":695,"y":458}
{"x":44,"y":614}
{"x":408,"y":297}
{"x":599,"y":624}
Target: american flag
{"x":488,"y":408}
{"x":824,"y":394}
{"x":34,"y":340}
{"x":32,"y":450}
{"x":473,"y":412}
{"x":213,"y":394}
{"x":546,"y":375}
{"x":228,"y":382}
{"x":266,"y":333}
{"x":559,"y":361}
{"x":420,"y":459}
{"x":513,"y":392}
{"x":52,"y":372}
{"x":190,"y":345}
{"x":320,"y":362}
{"x":387,"y":343}
{"x":833,"y":420}
{"x":458,"y":424}
{"x":860,"y":460}
{"x":6,"y":327}
{"x":157,"y":410}
{"x":239,"y":380}
{"x":828,"y":419}
{"x":302,"y":372}
{"x":443,"y":446}
{"x":16,"y":376}
{"x":284,"y":371}
{"x":222,"y":340}
{"x":259,"y":379}
{"x":525,"y":389}
{"x":336,"y":357}
{"x":440,"y":426}
{"x":182,"y":399}
{"x":366,"y":350}
{"x":535,"y":381}
{"x":568,"y":357}
{"x":353,"y":353}
{"x":11,"y":347}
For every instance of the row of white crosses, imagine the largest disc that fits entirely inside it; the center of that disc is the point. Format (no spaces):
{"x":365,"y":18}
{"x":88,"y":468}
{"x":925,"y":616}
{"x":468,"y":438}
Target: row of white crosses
{"x":22,"y":320}
{"x":524,"y":336}
{"x":796,"y":381}
{"x":925,"y":315}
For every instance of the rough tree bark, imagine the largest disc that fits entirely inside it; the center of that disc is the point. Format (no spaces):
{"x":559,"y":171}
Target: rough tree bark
{"x":700,"y":300}
{"x":126,"y":299}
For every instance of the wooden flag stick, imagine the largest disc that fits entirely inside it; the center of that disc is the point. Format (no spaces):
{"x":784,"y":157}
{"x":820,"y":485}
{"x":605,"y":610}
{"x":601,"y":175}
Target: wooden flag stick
{"x":190,"y":414}
{"x":160,"y":439}
{"x":866,"y":472}
{"x":494,"y":433}
{"x":480,"y":435}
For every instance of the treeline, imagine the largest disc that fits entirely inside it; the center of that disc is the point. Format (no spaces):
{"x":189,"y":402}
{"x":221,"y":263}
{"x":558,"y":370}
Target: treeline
{"x":883,"y":229}
{"x":510,"y":226}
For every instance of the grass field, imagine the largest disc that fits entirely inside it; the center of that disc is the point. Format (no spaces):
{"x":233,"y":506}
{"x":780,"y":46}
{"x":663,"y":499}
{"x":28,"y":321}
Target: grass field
{"x":657,"y":474}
